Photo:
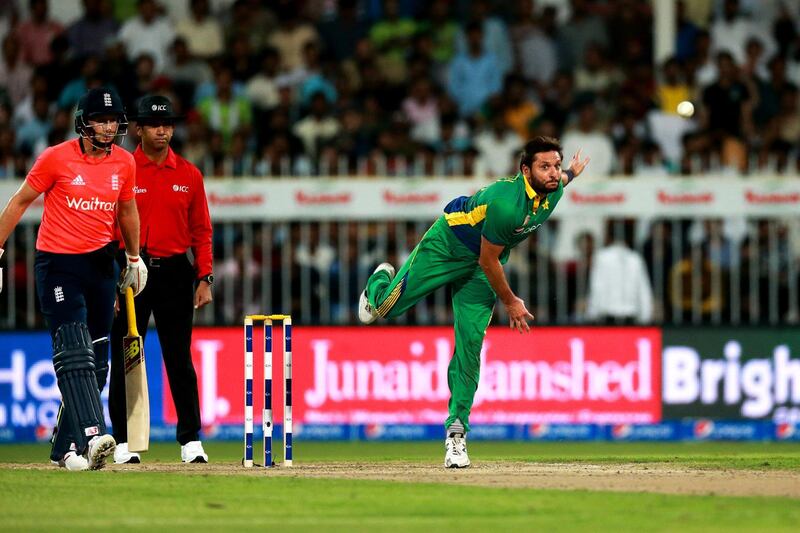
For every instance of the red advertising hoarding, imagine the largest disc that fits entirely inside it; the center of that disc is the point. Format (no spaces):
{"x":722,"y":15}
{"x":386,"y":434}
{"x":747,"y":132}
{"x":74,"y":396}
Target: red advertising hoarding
{"x":365,"y":375}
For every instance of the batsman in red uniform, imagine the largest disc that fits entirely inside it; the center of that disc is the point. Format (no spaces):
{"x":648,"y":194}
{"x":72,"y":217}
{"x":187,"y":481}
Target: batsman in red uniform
{"x":88,"y":187}
{"x":174,"y":218}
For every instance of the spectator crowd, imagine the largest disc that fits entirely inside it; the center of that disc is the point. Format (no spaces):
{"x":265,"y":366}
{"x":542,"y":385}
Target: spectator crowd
{"x":406,"y":87}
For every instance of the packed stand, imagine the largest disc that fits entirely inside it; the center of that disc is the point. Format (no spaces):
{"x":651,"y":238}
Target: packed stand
{"x":442,"y":88}
{"x":405,"y":87}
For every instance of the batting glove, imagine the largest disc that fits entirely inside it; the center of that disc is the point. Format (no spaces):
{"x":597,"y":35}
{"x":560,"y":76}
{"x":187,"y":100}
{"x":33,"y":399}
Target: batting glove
{"x":134,"y":275}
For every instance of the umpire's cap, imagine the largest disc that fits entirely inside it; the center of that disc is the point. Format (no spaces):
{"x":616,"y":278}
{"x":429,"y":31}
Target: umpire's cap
{"x":155,"y":108}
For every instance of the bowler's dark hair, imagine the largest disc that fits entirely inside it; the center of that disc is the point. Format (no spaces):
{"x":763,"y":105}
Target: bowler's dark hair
{"x":537,"y":145}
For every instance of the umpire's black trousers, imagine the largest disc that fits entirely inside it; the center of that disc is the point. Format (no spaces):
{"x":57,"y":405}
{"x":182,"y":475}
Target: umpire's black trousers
{"x":169,"y":296}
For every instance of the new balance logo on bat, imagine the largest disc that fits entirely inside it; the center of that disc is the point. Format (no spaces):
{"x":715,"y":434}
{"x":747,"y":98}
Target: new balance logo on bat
{"x":132,"y":356}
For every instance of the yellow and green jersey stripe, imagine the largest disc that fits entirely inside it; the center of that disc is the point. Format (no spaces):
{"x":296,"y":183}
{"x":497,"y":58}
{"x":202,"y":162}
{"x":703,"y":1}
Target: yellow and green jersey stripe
{"x":505,"y":212}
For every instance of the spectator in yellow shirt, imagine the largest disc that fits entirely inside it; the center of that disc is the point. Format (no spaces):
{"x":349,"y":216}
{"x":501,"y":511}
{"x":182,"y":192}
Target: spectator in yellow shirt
{"x":672,"y":88}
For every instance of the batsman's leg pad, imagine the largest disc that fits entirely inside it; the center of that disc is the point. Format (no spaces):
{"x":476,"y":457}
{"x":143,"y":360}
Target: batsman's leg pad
{"x":63,"y":436}
{"x":100,"y":347}
{"x":74,"y":365}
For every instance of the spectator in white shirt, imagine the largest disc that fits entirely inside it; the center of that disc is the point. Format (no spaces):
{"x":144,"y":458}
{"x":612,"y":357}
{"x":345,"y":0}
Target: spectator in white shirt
{"x":292,"y":34}
{"x":591,"y":140}
{"x":149,"y":34}
{"x":15,"y":74}
{"x":421,"y":109}
{"x":651,"y":163}
{"x":318,"y":127}
{"x":732,"y":31}
{"x":498,"y":146}
{"x":203,"y":33}
{"x":262,"y":89}
{"x":619,"y":288}
{"x":703,"y":64}
{"x":597,"y":145}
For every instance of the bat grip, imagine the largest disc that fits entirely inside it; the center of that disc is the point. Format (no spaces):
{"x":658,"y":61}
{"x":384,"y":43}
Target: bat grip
{"x":131,"y":312}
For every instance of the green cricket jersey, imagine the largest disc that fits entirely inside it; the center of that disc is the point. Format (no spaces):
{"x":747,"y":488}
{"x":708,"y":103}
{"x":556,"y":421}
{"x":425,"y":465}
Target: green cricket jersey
{"x":504,"y":212}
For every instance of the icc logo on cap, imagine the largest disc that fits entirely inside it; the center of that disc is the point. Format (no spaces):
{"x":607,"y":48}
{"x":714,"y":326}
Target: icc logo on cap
{"x":157,"y":107}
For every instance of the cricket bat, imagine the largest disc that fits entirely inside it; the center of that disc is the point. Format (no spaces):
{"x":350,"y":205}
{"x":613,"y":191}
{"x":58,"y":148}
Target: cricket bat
{"x":137,"y":399}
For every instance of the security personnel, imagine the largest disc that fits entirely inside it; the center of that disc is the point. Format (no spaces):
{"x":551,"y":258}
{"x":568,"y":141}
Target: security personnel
{"x":174,"y":218}
{"x":88,"y":185}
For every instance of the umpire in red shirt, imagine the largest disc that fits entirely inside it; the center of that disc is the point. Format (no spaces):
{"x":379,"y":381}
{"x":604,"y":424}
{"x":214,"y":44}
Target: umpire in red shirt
{"x":174,"y":218}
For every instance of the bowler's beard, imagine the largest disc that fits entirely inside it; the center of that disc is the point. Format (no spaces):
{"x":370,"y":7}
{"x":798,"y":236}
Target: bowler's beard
{"x":539,"y":189}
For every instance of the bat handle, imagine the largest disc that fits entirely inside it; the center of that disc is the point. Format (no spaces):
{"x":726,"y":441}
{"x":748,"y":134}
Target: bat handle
{"x":131,"y":312}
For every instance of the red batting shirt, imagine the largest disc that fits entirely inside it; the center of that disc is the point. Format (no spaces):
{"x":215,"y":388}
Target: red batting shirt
{"x":173,"y":209}
{"x":80,"y":196}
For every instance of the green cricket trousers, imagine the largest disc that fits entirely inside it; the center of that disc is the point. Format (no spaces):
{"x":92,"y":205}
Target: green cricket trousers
{"x":441,"y":259}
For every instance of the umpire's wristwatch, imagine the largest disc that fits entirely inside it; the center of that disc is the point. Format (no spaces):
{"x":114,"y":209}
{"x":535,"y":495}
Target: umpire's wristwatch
{"x":209,"y":278}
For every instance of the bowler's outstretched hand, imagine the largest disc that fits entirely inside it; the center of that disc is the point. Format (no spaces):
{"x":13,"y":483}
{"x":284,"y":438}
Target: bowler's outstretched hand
{"x":576,"y":165}
{"x":518,"y":315}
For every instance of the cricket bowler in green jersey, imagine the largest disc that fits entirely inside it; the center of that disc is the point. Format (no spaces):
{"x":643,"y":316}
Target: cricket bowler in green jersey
{"x":465,"y":248}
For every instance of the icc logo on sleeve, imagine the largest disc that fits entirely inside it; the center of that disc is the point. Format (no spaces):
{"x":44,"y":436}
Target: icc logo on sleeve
{"x":180,"y":188}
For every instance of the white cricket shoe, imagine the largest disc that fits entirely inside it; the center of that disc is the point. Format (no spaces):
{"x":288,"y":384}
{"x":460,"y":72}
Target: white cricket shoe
{"x":72,"y":461}
{"x":100,"y":447}
{"x":192,"y":452}
{"x":366,"y":313}
{"x":122,"y":456}
{"x":455,"y":446}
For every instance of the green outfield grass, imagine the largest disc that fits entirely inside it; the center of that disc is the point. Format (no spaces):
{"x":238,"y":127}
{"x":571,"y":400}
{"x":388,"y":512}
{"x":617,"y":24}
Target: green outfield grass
{"x":59,"y":500}
{"x":744,"y":455}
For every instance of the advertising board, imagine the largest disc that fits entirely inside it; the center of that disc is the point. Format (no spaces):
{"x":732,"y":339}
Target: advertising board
{"x":389,"y":375}
{"x":732,"y":374}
